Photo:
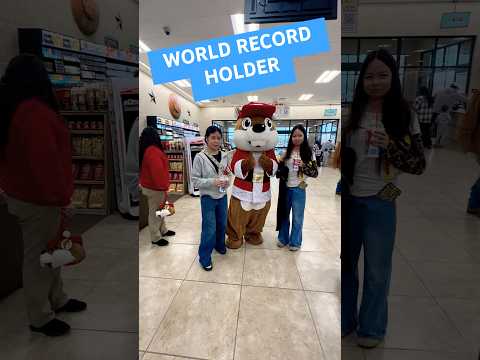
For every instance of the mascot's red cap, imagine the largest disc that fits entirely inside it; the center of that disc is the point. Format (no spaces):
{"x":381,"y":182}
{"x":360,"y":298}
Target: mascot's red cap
{"x":257,"y":109}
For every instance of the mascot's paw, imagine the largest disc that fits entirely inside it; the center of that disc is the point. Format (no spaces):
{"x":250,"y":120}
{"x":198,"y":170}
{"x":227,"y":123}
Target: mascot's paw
{"x":233,"y":244}
{"x":248,"y":164}
{"x":266,"y":163}
{"x":254,"y":239}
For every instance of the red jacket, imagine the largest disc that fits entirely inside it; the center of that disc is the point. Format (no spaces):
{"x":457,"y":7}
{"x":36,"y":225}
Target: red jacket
{"x":154,"y":174}
{"x":36,"y":163}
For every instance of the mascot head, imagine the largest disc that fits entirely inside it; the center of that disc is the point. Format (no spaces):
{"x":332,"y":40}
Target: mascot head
{"x":255,"y":130}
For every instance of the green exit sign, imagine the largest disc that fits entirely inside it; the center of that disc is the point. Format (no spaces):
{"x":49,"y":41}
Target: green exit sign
{"x":330,"y":112}
{"x":454,"y":20}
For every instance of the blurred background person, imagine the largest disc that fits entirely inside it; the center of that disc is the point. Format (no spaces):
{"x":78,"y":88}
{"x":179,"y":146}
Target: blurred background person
{"x":423,"y":110}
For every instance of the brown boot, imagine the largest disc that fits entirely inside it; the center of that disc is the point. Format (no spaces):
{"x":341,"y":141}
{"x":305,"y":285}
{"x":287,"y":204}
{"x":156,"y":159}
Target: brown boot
{"x":254,"y":239}
{"x":233,"y":244}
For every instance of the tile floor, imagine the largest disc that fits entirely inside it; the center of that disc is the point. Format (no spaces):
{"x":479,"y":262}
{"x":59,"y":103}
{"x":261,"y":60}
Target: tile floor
{"x":259,"y":302}
{"x":435,"y":292}
{"x":106,"y":280}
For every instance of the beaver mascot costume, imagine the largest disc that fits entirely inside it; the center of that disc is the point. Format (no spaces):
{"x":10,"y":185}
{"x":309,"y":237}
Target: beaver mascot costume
{"x":253,"y":164}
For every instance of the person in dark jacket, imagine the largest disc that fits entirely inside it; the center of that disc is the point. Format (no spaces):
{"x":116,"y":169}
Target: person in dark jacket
{"x":154,"y":183}
{"x":36,"y":176}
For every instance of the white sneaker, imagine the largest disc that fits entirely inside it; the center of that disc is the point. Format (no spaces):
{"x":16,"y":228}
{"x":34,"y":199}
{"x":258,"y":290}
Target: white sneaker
{"x":280,"y":244}
{"x":294,"y":248}
{"x":368,"y":342}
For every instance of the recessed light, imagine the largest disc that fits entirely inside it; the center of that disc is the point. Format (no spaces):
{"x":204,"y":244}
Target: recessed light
{"x":305,"y":97}
{"x":239,"y":26}
{"x":252,"y":98}
{"x":143,"y":47}
{"x":327,"y":76}
{"x":183,"y":83}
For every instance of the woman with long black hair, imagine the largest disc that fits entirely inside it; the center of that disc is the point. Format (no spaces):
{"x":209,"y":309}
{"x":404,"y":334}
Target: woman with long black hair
{"x":296,"y":165}
{"x":154,"y":183}
{"x":36,"y":176}
{"x":381,"y":139}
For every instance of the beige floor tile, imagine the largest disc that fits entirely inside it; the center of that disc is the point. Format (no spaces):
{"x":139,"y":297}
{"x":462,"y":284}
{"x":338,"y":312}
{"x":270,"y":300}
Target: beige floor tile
{"x":420,"y":324}
{"x":352,"y":353}
{"x":272,"y":268}
{"x":151,"y":356}
{"x":275,"y":324}
{"x":325,"y":309}
{"x":173,"y":261}
{"x":227,"y":268}
{"x":155,"y":296}
{"x":200,"y":313}
{"x":319,"y":271}
{"x":393,"y":354}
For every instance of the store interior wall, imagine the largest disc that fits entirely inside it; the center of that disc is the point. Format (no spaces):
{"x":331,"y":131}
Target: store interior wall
{"x":423,"y":19}
{"x":57,"y":16}
{"x":160,"y":106}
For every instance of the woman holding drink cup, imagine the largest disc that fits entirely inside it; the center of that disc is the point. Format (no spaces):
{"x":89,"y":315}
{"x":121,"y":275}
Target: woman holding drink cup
{"x":382,"y":138}
{"x":210,"y":175}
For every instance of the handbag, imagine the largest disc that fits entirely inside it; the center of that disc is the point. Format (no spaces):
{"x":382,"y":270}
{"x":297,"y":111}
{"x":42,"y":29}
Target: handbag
{"x":406,"y":154}
{"x":165,"y":208}
{"x":310,"y":169}
{"x":64,"y":249}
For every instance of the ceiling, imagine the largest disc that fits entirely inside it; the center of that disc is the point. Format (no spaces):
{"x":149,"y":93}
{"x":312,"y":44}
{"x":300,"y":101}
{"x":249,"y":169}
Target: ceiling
{"x":194,"y":20}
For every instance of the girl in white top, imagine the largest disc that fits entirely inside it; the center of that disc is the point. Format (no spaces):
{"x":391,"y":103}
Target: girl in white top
{"x":300,"y":162}
{"x":380,"y":123}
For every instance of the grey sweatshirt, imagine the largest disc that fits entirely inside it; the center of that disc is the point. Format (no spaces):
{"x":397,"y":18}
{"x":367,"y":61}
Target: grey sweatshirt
{"x":204,"y":175}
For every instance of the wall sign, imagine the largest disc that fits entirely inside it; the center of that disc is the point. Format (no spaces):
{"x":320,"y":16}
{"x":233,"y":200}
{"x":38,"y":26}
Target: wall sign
{"x":240,"y":63}
{"x":330,"y":112}
{"x":85,"y":13}
{"x":454,"y":20}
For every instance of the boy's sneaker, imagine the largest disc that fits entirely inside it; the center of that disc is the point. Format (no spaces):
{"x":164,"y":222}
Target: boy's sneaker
{"x":368,"y":342}
{"x":474,"y":211}
{"x":294,"y":248}
{"x":280,"y":244}
{"x":208,"y":267}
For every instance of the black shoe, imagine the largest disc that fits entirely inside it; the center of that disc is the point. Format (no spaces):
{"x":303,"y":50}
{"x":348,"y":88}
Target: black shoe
{"x":169,"y":233}
{"x":161,"y":242}
{"x":72,"y":306}
{"x":54,"y":327}
{"x":208,"y":267}
{"x":223,"y":252}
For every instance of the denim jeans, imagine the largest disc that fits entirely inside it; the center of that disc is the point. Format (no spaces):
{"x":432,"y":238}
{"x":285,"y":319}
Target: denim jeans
{"x":296,"y":198}
{"x":369,"y":222}
{"x":214,"y":222}
{"x":474,"y":201}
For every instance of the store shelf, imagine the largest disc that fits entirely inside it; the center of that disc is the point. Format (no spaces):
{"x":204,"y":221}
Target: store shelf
{"x":89,"y":182}
{"x":86,"y":112}
{"x":86,"y":132}
{"x":175,"y":160}
{"x":84,"y":211}
{"x":176,"y":181}
{"x":87,"y":158}
{"x":174,"y":152}
{"x":177,"y":171}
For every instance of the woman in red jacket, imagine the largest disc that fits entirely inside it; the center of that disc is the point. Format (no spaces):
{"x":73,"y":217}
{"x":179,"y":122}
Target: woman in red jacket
{"x":36,"y":176}
{"x":154,"y":182}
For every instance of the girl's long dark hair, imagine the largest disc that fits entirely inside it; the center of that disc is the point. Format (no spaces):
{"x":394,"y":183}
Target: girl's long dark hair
{"x":148,"y":138}
{"x":396,"y":112}
{"x":305,"y":150}
{"x":24,"y":78}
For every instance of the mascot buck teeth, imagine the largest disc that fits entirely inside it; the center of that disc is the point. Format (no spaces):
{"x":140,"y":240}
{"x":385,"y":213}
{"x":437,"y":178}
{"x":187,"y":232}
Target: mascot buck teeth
{"x":253,"y":164}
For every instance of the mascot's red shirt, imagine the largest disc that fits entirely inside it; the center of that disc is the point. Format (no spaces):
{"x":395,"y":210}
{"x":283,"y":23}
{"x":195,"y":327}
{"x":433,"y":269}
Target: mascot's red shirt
{"x":253,"y":187}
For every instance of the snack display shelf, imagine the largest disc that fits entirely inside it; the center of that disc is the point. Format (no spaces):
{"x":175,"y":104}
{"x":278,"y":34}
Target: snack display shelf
{"x":87,"y":132}
{"x":89,"y":182}
{"x":94,"y":158}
